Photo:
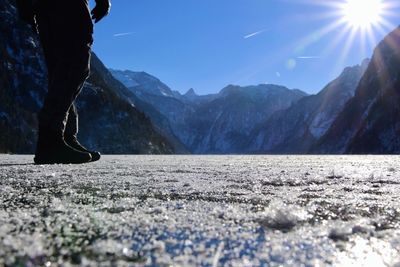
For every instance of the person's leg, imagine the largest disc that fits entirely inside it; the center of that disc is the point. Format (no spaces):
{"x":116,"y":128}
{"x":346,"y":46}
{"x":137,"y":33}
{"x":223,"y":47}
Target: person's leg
{"x":71,"y":133}
{"x":65,"y":29}
{"x":69,"y":42}
{"x":71,"y":129}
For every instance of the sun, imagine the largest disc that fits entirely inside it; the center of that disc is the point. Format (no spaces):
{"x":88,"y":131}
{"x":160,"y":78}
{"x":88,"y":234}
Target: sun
{"x":362,"y":14}
{"x":352,"y":25}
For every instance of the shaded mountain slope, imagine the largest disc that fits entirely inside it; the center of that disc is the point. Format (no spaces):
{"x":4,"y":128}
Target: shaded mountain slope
{"x":112,"y":123}
{"x":370,"y":122}
{"x":297,"y":128}
{"x":157,"y":100}
{"x":223,"y":124}
{"x":22,"y":76}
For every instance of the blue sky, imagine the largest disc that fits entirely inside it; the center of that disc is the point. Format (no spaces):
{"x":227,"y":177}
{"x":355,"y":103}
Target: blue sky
{"x":208,"y":44}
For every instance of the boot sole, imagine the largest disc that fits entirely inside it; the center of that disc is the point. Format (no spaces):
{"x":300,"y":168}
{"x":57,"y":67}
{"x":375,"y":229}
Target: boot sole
{"x":48,"y":161}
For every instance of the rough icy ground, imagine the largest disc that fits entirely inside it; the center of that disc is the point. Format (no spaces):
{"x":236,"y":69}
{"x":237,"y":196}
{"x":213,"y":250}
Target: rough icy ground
{"x":202,"y":211}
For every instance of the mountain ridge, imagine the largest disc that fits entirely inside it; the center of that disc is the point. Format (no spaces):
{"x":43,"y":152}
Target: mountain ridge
{"x":369,"y":122}
{"x":202,"y":125}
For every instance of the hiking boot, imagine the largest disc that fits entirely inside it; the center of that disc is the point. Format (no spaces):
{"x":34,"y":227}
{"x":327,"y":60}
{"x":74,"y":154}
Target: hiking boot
{"x":74,"y":143}
{"x":52,"y":149}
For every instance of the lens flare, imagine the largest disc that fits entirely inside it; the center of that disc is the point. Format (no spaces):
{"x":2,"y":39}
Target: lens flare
{"x":362,"y":13}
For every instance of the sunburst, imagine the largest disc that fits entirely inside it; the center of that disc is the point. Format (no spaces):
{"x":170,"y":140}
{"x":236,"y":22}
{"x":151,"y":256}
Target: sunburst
{"x":355,"y":22}
{"x":362,"y":14}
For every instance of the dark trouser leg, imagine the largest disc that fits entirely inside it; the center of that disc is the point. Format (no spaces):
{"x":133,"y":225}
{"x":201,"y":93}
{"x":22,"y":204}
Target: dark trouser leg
{"x":66,"y":33}
{"x":65,"y":29}
{"x":71,"y":129}
{"x":71,"y":133}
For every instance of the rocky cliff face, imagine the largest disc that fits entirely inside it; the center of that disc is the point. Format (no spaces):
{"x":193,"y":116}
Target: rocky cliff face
{"x":370,"y":122}
{"x":297,"y":128}
{"x":164,"y":106}
{"x":108,"y":122}
{"x":223,"y":125}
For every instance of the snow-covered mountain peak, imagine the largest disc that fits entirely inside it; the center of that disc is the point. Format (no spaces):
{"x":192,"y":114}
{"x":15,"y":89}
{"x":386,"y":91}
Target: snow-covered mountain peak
{"x":143,"y":82}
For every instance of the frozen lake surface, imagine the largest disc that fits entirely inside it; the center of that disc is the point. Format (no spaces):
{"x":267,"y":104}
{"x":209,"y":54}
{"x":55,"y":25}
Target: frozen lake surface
{"x":202,"y":211}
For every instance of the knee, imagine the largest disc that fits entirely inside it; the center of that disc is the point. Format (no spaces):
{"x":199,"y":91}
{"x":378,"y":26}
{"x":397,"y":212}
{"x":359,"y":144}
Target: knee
{"x":80,"y":63}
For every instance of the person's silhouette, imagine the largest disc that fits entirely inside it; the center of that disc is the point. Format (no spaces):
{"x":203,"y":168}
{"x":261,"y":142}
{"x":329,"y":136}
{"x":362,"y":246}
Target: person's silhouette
{"x":65,"y":28}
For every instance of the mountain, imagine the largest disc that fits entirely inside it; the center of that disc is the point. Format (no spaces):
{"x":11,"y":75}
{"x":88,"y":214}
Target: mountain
{"x":297,"y":128}
{"x":165,"y":107}
{"x":215,"y":123}
{"x":112,"y":124}
{"x":108,"y":122}
{"x":190,"y":94}
{"x":370,"y":121}
{"x":142,"y":83}
{"x":223,"y":124}
{"x":192,"y":98}
{"x":22,"y":73}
